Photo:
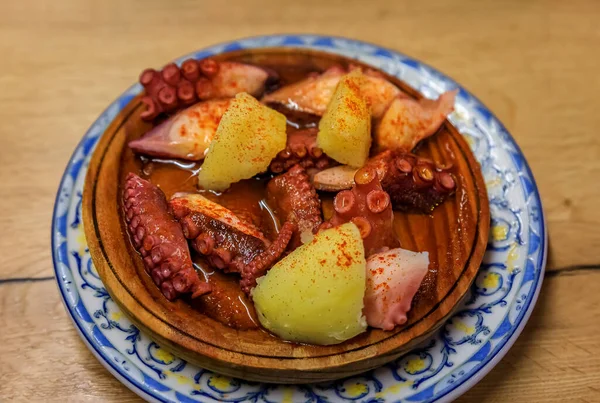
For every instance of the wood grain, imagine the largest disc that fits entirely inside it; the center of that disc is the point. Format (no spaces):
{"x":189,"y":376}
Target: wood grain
{"x":534,"y":63}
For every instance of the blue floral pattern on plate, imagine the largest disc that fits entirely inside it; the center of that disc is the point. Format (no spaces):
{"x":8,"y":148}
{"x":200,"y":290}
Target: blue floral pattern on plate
{"x":442,"y":368}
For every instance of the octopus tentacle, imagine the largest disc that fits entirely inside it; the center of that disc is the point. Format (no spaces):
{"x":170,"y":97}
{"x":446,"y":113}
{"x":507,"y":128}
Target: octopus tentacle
{"x":301,"y":148}
{"x":263,"y":262}
{"x":159,"y":239}
{"x":393,"y":279}
{"x":227,"y":241}
{"x":293,"y":198}
{"x":196,"y":80}
{"x":225,"y":303}
{"x":413,"y":183}
{"x":369,"y":207}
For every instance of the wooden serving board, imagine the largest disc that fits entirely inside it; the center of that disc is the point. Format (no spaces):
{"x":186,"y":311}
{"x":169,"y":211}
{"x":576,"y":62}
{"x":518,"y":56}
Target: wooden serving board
{"x":455,"y":236}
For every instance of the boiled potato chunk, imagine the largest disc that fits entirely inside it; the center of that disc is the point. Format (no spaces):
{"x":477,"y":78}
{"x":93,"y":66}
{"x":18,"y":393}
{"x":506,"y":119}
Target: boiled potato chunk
{"x":345,"y":128}
{"x":249,"y":136}
{"x":315,"y":294}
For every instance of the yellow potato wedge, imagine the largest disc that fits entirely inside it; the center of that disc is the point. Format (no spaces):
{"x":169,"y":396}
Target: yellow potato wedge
{"x":315,"y":294}
{"x":249,"y":136}
{"x":345,"y":128}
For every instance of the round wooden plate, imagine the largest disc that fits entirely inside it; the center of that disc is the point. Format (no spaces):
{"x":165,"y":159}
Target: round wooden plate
{"x":455,"y":236}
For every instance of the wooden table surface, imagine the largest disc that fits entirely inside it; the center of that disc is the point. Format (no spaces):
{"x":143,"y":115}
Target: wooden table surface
{"x":536,"y":64}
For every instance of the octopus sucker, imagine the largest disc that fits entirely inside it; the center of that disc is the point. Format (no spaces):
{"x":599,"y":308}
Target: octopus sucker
{"x":368,"y":206}
{"x":226,"y":241}
{"x":293,"y":198}
{"x":175,"y":87}
{"x":413,"y":183}
{"x":159,"y":239}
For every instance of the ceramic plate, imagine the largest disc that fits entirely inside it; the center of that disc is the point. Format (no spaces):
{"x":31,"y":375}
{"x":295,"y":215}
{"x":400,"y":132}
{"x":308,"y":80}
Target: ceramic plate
{"x":443,"y":367}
